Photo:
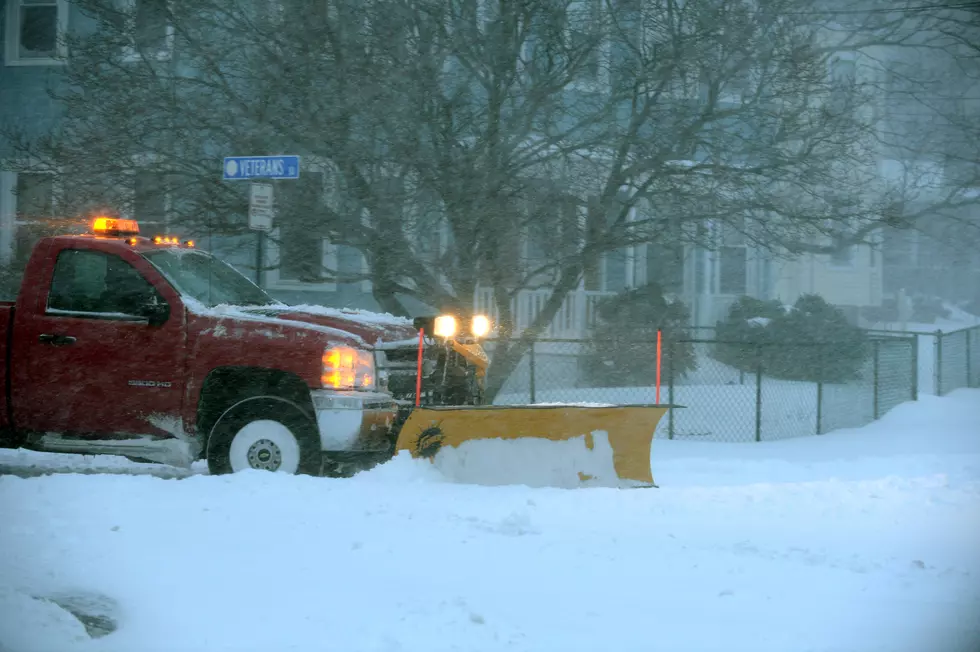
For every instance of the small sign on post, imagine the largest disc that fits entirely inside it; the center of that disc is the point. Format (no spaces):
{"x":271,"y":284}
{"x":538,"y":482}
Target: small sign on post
{"x":260,"y":206}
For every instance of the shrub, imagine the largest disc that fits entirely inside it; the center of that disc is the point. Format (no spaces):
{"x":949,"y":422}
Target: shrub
{"x":622,"y":351}
{"x":837,"y":348}
{"x":744,"y":331}
{"x":811,"y":341}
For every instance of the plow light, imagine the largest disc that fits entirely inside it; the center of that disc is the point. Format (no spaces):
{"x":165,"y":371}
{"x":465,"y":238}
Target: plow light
{"x":481,"y":326}
{"x":347,"y":368}
{"x":445,"y":326}
{"x":115,"y":227}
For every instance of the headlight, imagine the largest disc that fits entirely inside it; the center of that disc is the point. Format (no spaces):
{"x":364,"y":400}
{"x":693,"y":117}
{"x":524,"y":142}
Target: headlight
{"x":348,"y":368}
{"x":480,"y":327}
{"x":445,"y":326}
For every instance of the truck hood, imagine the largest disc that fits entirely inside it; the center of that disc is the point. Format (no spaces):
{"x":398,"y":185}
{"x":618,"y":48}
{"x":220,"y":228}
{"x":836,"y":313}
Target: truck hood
{"x":369,"y":327}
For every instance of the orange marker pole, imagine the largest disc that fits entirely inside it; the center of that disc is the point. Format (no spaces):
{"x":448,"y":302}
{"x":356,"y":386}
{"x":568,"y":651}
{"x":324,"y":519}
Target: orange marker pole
{"x":418,"y":376}
{"x":659,"y":338}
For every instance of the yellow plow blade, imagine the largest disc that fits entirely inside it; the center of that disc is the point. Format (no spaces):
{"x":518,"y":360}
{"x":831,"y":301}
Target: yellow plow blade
{"x":536,"y":445}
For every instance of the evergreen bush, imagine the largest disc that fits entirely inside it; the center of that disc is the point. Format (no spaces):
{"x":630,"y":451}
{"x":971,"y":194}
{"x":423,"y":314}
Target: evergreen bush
{"x":623,"y":349}
{"x":811,"y":341}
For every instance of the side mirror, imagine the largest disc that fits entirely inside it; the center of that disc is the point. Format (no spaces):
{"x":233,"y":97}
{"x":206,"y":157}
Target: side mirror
{"x":156,"y":313}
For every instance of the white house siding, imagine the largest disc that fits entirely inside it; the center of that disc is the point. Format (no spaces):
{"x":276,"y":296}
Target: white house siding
{"x":856,"y":285}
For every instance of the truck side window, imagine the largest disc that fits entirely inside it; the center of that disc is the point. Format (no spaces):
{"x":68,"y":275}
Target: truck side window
{"x":97,"y":282}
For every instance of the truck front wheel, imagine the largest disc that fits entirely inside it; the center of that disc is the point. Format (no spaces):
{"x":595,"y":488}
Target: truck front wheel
{"x":264,"y":433}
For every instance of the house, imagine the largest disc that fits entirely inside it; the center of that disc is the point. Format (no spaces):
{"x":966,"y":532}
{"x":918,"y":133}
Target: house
{"x":707,"y":278}
{"x":29,"y":45}
{"x":939,"y":255}
{"x":32,"y":47}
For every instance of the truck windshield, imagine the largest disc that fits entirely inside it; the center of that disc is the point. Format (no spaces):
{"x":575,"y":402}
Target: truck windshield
{"x":209,"y":280}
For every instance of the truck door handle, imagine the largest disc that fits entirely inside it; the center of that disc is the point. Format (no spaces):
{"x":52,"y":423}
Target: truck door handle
{"x":57,"y":340}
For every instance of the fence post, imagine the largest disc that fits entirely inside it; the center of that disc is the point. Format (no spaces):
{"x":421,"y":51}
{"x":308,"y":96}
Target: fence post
{"x":531,"y":379}
{"x":915,"y":367}
{"x":876,"y":374}
{"x":820,"y":394}
{"x":758,"y":392}
{"x":670,"y":388}
{"x":938,"y":371}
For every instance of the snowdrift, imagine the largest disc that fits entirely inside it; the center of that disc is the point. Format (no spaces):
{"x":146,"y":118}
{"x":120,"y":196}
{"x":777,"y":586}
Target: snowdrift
{"x":863,"y":540}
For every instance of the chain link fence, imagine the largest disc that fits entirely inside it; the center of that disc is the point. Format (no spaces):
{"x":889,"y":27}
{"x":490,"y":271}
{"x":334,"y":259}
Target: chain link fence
{"x":748,"y":401}
{"x":957,"y":356}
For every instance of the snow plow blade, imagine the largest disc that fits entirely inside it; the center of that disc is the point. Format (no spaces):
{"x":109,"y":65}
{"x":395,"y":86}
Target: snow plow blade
{"x":564,"y":446}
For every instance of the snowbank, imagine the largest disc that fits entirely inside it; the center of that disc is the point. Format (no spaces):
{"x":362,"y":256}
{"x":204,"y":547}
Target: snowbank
{"x":864,"y":540}
{"x":931,"y":436}
{"x":28,"y":463}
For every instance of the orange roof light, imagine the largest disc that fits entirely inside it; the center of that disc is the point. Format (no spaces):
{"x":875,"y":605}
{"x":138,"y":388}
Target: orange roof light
{"x":112,"y":226}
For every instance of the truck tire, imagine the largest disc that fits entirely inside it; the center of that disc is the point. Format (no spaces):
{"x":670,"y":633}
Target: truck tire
{"x":264,"y":433}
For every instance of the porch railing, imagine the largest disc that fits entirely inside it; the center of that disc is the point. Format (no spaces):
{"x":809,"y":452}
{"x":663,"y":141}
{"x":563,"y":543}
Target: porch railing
{"x":573,"y":320}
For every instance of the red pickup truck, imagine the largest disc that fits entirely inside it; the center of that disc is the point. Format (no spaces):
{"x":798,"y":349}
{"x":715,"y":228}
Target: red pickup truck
{"x":153,"y":349}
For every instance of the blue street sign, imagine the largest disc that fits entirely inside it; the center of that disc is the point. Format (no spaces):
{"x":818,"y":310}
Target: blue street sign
{"x":261,"y":167}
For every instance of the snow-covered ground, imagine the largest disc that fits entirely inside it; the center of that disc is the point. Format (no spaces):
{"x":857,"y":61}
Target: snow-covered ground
{"x":864,"y":540}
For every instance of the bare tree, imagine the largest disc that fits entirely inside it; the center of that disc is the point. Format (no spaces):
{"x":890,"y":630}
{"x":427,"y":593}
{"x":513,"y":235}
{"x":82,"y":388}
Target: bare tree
{"x":577,"y":126}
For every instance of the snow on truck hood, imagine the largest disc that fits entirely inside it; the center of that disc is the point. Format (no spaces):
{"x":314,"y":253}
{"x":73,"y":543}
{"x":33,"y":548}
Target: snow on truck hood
{"x":360,"y":327}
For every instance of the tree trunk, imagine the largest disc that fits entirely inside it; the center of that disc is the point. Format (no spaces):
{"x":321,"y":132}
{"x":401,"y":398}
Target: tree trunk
{"x":508,"y":353}
{"x":389,"y":302}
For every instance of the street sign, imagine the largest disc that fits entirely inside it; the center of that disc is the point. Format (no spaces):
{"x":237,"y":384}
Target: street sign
{"x":260,"y":167}
{"x":260,"y":206}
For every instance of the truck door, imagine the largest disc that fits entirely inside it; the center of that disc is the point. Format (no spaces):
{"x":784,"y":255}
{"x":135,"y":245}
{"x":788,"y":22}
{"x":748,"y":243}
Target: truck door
{"x":86,"y":362}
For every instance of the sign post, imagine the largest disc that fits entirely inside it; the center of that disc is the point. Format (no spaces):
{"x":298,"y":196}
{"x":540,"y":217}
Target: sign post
{"x":261,"y":199}
{"x":261,"y":206}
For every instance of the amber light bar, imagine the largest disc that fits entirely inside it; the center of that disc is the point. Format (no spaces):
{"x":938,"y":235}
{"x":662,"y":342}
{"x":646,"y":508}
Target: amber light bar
{"x":113,"y":226}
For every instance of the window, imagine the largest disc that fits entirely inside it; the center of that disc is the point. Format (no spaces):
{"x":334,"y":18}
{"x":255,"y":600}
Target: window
{"x":733,"y":258}
{"x":147,"y":26}
{"x":732,"y":267}
{"x":149,"y":198}
{"x":842,"y":254}
{"x":586,"y":47}
{"x":665,"y":266}
{"x":95,"y":282}
{"x":150,"y":25}
{"x":35,"y":196}
{"x":206,"y":278}
{"x":842,"y":84}
{"x":301,"y":218}
{"x":34,"y":213}
{"x":35,"y":31}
